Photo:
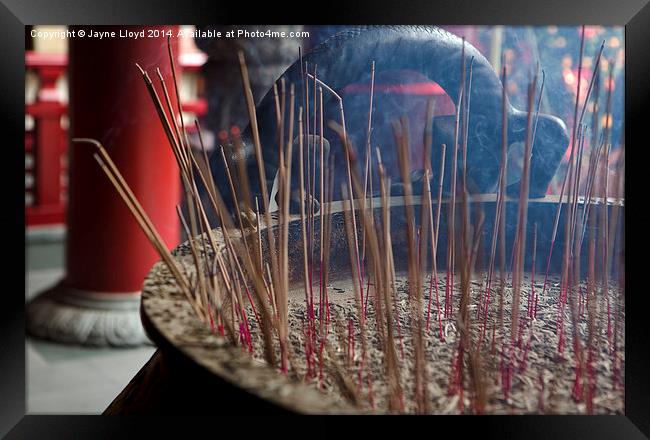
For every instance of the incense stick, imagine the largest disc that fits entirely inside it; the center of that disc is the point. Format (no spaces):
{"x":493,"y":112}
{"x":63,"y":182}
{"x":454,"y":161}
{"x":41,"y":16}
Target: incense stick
{"x":116,"y":179}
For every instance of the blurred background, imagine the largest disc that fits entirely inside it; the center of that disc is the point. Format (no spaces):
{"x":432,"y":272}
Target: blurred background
{"x":73,"y":378}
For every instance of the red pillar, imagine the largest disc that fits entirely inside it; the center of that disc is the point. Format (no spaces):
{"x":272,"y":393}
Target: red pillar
{"x":107,"y":254}
{"x":106,"y":250}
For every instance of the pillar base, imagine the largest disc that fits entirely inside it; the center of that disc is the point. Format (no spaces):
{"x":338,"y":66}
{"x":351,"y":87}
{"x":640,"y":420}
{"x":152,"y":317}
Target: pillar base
{"x":69,"y":315}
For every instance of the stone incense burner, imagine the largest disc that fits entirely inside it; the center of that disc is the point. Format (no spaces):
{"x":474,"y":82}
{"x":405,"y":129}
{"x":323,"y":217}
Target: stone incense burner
{"x":196,"y":371}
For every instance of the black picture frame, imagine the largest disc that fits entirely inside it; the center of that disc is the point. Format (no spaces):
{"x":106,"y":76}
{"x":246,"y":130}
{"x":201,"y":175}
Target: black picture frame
{"x":633,"y":14}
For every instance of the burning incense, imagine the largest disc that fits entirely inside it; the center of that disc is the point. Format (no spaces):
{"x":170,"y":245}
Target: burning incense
{"x":523,"y":217}
{"x":230,"y":281}
{"x":125,"y":192}
{"x":451,"y":236}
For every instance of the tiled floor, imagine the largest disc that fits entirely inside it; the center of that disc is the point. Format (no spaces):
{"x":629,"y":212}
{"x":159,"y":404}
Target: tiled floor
{"x":64,"y":379}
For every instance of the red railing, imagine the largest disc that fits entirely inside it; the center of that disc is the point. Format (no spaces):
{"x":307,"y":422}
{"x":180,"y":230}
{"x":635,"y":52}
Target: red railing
{"x":46,"y":140}
{"x":45,"y":143}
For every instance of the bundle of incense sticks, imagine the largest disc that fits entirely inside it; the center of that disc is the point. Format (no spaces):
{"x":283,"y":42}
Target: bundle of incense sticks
{"x":239,"y":279}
